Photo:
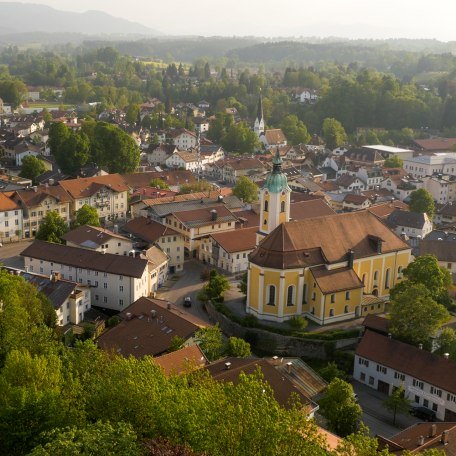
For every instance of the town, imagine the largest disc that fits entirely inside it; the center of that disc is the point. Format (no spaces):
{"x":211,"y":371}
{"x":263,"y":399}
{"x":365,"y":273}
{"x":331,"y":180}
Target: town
{"x":201,"y":258}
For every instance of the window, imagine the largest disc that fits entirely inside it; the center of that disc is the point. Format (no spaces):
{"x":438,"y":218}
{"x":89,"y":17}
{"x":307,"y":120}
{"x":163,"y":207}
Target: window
{"x":417,"y":383}
{"x":331,"y":312}
{"x":371,"y":380}
{"x":362,"y":376}
{"x":105,"y":299}
{"x":121,"y":302}
{"x":121,"y":288}
{"x":314,"y":296}
{"x":436,"y":392}
{"x":282,"y":206}
{"x":399,"y":376}
{"x":304,"y":294}
{"x":417,"y":399}
{"x":333,"y":298}
{"x":346,"y":309}
{"x":376,"y":275}
{"x":347,"y":296}
{"x":266,"y":206}
{"x":290,"y":293}
{"x":449,"y":266}
{"x":363,"y":362}
{"x":381,"y":369}
{"x":387,"y":279}
{"x":425,"y":403}
{"x":105,"y":285}
{"x":271,"y":301}
{"x":434,"y":407}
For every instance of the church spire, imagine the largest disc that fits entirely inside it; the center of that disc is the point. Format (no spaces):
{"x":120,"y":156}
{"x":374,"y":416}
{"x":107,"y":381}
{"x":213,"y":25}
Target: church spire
{"x":260,"y":108}
{"x":258,"y":127}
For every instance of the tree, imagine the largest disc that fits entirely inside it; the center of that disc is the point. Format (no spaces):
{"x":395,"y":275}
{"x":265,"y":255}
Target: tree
{"x":238,"y":348}
{"x":295,"y":130}
{"x":159,"y":183}
{"x":74,"y":153}
{"x":58,"y":133}
{"x":12,"y":91}
{"x":339,"y":408}
{"x":32,"y":167}
{"x":246,"y":190}
{"x":421,"y":201}
{"x":216,"y":286}
{"x":446,"y":342}
{"x":242,"y":285}
{"x":87,"y":215}
{"x":52,"y":228}
{"x":176,"y":344}
{"x":331,"y":371}
{"x":415,"y":316}
{"x":393,"y":162}
{"x":194,"y":187}
{"x":297,"y":322}
{"x":210,"y":340}
{"x":333,"y":133}
{"x":240,"y":138}
{"x":132,"y":114}
{"x":397,"y":403}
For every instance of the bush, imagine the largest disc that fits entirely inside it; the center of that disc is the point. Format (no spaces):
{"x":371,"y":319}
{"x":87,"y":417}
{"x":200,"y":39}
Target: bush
{"x":205,"y":274}
{"x":250,"y":321}
{"x":238,"y":347}
{"x":297,"y":322}
{"x":113,"y":321}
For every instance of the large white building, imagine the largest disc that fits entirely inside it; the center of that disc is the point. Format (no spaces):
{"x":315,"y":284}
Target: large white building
{"x":115,"y":281}
{"x":427,"y":165}
{"x":10,"y":219}
{"x":429,"y":380}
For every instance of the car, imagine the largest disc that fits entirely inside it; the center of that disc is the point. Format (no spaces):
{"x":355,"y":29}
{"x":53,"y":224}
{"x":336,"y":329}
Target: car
{"x":188,"y":301}
{"x":423,"y":413}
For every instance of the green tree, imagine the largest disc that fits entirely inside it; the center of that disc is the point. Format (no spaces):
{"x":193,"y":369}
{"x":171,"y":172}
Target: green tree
{"x":340,"y":409}
{"x":240,"y":138}
{"x":87,"y":215}
{"x":74,"y":153}
{"x":118,"y":439}
{"x":297,"y":322}
{"x":246,"y":190}
{"x":32,"y":167}
{"x":176,"y":344}
{"x":331,"y":371}
{"x":132,"y":114}
{"x":242,"y":285}
{"x":397,"y":403}
{"x":238,"y":348}
{"x":446,"y":342}
{"x":12,"y":91}
{"x":333,"y":133}
{"x":393,"y":162}
{"x":194,"y":187}
{"x":210,"y":340}
{"x":58,"y":133}
{"x":159,"y":183}
{"x":295,"y":130}
{"x":421,"y":201}
{"x":415,"y":316}
{"x":217,"y":285}
{"x":52,"y":228}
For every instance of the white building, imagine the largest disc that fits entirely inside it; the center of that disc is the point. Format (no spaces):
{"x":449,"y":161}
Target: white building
{"x":183,"y":139}
{"x":307,"y":96}
{"x":383,"y":364}
{"x":115,"y":281}
{"x":184,"y":160}
{"x":11,"y":219}
{"x":427,"y":165}
{"x":411,"y":224}
{"x":442,"y":187}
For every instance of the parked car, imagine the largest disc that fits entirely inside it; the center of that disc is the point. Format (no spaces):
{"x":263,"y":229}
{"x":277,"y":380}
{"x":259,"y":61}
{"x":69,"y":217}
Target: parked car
{"x":423,"y":413}
{"x":188,"y":302}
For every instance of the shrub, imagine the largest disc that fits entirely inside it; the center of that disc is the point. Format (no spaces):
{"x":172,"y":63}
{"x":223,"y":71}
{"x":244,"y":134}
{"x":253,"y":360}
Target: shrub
{"x":297,"y":322}
{"x":250,"y":321}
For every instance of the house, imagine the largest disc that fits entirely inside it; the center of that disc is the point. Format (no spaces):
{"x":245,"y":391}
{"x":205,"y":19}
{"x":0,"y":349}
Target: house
{"x":383,"y":363}
{"x":184,"y":160}
{"x":372,"y":177}
{"x":435,"y":144}
{"x":158,"y":264}
{"x":98,"y":239}
{"x":427,"y":165}
{"x":147,"y":328}
{"x":365,"y":157}
{"x":235,"y":168}
{"x":203,"y":104}
{"x":157,"y":154}
{"x":201,"y":124}
{"x":442,"y":187}
{"x":33,"y":94}
{"x":210,"y":153}
{"x":309,"y":96}
{"x":383,"y":210}
{"x":182,"y":361}
{"x":446,"y":214}
{"x":355,"y":202}
{"x":273,"y":138}
{"x":108,"y":194}
{"x":115,"y":281}
{"x":173,"y":178}
{"x":70,"y":300}
{"x":154,"y":233}
{"x":411,"y":224}
{"x":401,"y":186}
{"x":25,"y":149}
{"x":38,"y":201}
{"x":348,"y":183}
{"x":11,"y":222}
{"x":443,"y":249}
{"x":182,"y":138}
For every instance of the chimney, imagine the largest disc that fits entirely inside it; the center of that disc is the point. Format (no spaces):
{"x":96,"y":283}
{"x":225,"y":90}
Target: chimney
{"x":227,"y":365}
{"x":168,"y":306}
{"x":446,"y":355}
{"x":128,"y":315}
{"x":420,"y":440}
{"x":445,"y":437}
{"x":51,"y":181}
{"x":350,"y":258}
{"x":433,"y":430}
{"x":153,"y":313}
{"x":390,"y":336}
{"x":275,"y":360}
{"x":289,"y":367}
{"x":213,"y":215}
{"x":420,"y":346}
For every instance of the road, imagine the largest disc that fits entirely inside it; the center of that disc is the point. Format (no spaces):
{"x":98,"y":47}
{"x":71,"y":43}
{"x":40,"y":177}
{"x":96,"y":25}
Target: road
{"x":188,"y":284}
{"x":9,"y":253}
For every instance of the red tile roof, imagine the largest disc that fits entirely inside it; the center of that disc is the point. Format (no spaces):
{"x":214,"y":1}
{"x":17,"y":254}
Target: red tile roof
{"x":237,"y":241}
{"x":148,"y":230}
{"x":181,"y":361}
{"x":88,"y":186}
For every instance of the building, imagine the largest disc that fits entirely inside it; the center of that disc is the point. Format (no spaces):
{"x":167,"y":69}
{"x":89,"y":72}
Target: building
{"x":427,"y":165}
{"x":442,"y":187}
{"x":391,"y":151}
{"x":435,"y":144}
{"x":115,"y":281}
{"x":233,"y":169}
{"x":184,"y":160}
{"x":273,"y":138}
{"x":443,"y":249}
{"x":411,"y":224}
{"x":182,"y":361}
{"x":154,"y":233}
{"x":157,"y":154}
{"x":11,"y":223}
{"x":183,"y":139}
{"x":108,"y":194}
{"x":258,"y":126}
{"x":157,"y":262}
{"x":147,"y":327}
{"x":445,"y":214}
{"x":383,"y":363}
{"x":328,"y":268}
{"x":98,"y":239}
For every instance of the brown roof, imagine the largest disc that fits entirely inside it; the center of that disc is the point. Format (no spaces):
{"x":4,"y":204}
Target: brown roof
{"x":87,"y":259}
{"x":31,"y":198}
{"x":173,"y":178}
{"x":251,"y":217}
{"x":407,"y":440}
{"x":187,"y":157}
{"x":353,"y":198}
{"x":91,"y":236}
{"x":180,"y":131}
{"x":320,"y":240}
{"x":282,"y":387}
{"x":245,"y":163}
{"x":333,"y":280}
{"x":203,"y":216}
{"x":383,"y":210}
{"x":377,"y":324}
{"x":408,"y":359}
{"x":435,"y":143}
{"x":182,"y":361}
{"x":87,"y":186}
{"x":275,"y":136}
{"x":7,"y":204}
{"x":174,"y":199}
{"x":238,"y":240}
{"x":310,"y":208}
{"x":148,"y":230}
{"x":444,"y":250}
{"x":140,"y":333}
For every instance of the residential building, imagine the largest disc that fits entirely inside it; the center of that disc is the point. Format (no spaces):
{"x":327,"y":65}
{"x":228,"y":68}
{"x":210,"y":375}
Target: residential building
{"x":366,"y":157}
{"x":273,"y":138}
{"x":36,"y":202}
{"x":348,"y":183}
{"x":446,"y":214}
{"x":182,"y":361}
{"x":98,"y":239}
{"x":410,"y":224}
{"x":157,"y":154}
{"x":442,"y":187}
{"x":371,"y":177}
{"x":383,"y":363}
{"x":309,"y":96}
{"x":158,"y":267}
{"x":235,"y":168}
{"x":427,"y":165}
{"x":201,"y":124}
{"x":147,"y":327}
{"x":11,"y":223}
{"x":108,"y":194}
{"x":355,"y":202}
{"x":153,"y":233}
{"x":435,"y":144}
{"x":183,"y":139}
{"x":443,"y":249}
{"x":115,"y":281}
{"x":184,"y":160}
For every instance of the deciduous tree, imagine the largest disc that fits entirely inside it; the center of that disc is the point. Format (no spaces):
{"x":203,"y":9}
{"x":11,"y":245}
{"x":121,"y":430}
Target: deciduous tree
{"x":32,"y":167}
{"x":246,"y":190}
{"x":421,"y":201}
{"x":87,"y":215}
{"x":52,"y":228}
{"x":333,"y":133}
{"x":397,"y":403}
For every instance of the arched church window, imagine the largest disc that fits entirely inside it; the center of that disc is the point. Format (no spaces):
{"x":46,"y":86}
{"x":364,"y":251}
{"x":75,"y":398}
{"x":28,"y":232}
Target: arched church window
{"x":282,"y":206}
{"x":266,"y":206}
{"x":272,"y":291}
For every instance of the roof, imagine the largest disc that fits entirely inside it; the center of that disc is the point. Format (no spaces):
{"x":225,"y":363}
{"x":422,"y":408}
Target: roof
{"x":449,"y":210}
{"x":407,"y":440}
{"x":276,"y":181}
{"x":156,"y":256}
{"x":182,"y":361}
{"x":188,"y":157}
{"x":435,"y":143}
{"x":248,"y":218}
{"x":148,"y":230}
{"x":389,"y":149}
{"x":444,"y":250}
{"x":205,"y":216}
{"x":91,"y":237}
{"x":345,"y":180}
{"x":172,"y":178}
{"x":406,"y":218}
{"x":147,"y":328}
{"x":310,"y":208}
{"x":410,"y":360}
{"x":238,"y":240}
{"x":275,"y":136}
{"x":320,"y":240}
{"x":244,"y":163}
{"x":86,"y":259}
{"x":333,"y":280}
{"x":377,"y":324}
{"x":365,"y":155}
{"x":353,"y":198}
{"x":7,"y":204}
{"x":383,"y":210}
{"x":34,"y":196}
{"x":88,"y":186}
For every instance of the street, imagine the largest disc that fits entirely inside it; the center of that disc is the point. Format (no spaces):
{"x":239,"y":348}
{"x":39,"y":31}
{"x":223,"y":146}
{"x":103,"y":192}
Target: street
{"x":9,"y":253}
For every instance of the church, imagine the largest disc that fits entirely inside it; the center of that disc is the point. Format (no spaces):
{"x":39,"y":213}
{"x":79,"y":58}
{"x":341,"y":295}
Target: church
{"x":327,"y":269}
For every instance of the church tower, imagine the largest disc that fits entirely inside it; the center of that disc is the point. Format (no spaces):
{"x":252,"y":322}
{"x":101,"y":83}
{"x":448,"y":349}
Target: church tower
{"x":258,"y":126}
{"x":274,"y":199}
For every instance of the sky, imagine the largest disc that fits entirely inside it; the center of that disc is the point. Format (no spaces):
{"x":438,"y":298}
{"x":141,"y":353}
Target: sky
{"x":273,"y":18}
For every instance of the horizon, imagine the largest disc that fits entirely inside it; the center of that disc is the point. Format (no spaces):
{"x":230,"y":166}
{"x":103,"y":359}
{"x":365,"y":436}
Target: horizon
{"x":356,"y":19}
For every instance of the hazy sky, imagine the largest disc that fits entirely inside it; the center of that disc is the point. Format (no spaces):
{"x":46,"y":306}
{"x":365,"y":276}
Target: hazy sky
{"x":348,"y":18}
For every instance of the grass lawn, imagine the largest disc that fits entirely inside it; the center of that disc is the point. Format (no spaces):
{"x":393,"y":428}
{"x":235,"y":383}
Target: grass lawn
{"x":49,"y":105}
